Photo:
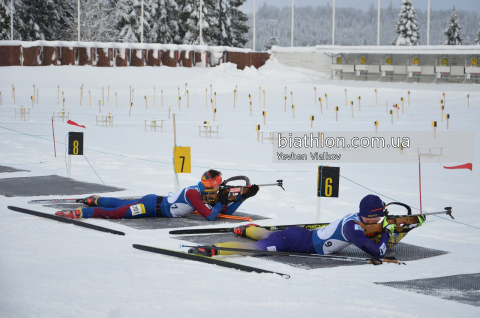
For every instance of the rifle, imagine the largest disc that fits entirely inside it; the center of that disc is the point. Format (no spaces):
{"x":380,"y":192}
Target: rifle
{"x":233,"y":191}
{"x":399,"y":220}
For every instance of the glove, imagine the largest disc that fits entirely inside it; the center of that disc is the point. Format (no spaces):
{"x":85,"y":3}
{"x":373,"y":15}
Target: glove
{"x":223,"y":198}
{"x":388,"y":228}
{"x":376,"y":261}
{"x":253,"y":191}
{"x":421,"y":219}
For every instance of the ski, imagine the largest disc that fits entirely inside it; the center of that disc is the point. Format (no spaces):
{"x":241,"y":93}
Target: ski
{"x":293,"y":254}
{"x":231,"y":229}
{"x":64,"y":220}
{"x":205,"y":259}
{"x":70,"y":200}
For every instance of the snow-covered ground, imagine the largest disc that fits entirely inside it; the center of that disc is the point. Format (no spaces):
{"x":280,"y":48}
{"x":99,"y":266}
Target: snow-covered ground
{"x":50,"y":269}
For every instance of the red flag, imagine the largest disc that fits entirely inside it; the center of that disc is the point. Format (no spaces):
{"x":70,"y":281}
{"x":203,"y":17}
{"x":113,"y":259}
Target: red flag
{"x":75,"y":124}
{"x":465,"y":166}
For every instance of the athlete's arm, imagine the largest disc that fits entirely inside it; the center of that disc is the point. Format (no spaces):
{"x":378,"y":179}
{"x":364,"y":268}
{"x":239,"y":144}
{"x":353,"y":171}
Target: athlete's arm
{"x":231,"y":208}
{"x":354,"y":234}
{"x":196,"y":201}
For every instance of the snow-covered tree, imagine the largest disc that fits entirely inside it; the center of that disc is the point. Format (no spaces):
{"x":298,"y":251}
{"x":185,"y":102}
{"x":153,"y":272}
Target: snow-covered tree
{"x":453,"y":31}
{"x":272,"y":40}
{"x":97,"y":22}
{"x":406,"y":26}
{"x":238,"y":21}
{"x":223,"y":31}
{"x":65,"y":27}
{"x":37,"y":17}
{"x":167,"y":24}
{"x":4,"y":20}
{"x":190,"y":17}
{"x":127,"y":16}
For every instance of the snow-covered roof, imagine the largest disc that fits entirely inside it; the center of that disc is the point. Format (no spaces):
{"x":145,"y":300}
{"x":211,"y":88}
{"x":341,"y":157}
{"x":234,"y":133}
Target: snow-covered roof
{"x":105,"y":45}
{"x":387,"y":49}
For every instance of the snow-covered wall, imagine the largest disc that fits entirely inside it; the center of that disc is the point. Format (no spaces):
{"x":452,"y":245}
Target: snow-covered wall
{"x":42,"y":53}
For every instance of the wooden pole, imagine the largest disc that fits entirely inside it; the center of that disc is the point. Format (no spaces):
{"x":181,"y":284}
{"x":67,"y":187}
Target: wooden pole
{"x":311,"y":121}
{"x":211,"y":91}
{"x":447,"y":117}
{"x":468,"y":100}
{"x":250,"y":108}
{"x":215,"y":95}
{"x":326,"y":100}
{"x":33,"y":94}
{"x":293,"y":111}
{"x":444,"y":99}
{"x":133,"y":94}
{"x":321,"y":107}
{"x":14,"y":96}
{"x":63,"y":102}
{"x":263,"y":99}
{"x":391,"y":113}
{"x":285,"y":104}
{"x":81,"y":94}
{"x":351,"y":103}
{"x":402,"y":99}
{"x":408,"y":98}
{"x":99,"y":106}
{"x":442,"y":108}
{"x":175,"y":178}
{"x":398,"y":110}
{"x":359,"y":106}
{"x":376,"y":97}
{"x":179,"y":101}
{"x":116,"y":100}
{"x":264,"y":117}
{"x":37,"y":96}
{"x":31,"y":97}
{"x":169,"y":110}
{"x":315,"y":89}
{"x":376,"y":126}
{"x":336,"y":113}
{"x":146,"y":103}
{"x":186,"y":89}
{"x":234,"y":97}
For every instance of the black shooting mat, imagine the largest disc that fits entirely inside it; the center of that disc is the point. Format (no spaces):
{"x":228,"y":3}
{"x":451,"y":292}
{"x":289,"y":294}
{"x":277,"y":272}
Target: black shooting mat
{"x":49,"y":185}
{"x":464,"y":288}
{"x":402,"y":252}
{"x":190,"y":220}
{"x":10,"y":169}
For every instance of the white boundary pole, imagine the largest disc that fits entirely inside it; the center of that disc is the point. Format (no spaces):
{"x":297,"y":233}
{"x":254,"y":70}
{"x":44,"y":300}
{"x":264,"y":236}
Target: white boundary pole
{"x":254,"y":9}
{"x":333,"y":24}
{"x":378,"y":25}
{"x":78,"y":22}
{"x":428,"y":23}
{"x":293,"y":19}
{"x":141,"y":24}
{"x":11,"y":20}
{"x":200,"y":13}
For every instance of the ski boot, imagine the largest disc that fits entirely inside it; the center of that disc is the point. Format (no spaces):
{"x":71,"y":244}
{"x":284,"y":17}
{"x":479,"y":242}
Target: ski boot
{"x":91,"y":200}
{"x":73,"y":214}
{"x":204,"y":251}
{"x":242,"y":229}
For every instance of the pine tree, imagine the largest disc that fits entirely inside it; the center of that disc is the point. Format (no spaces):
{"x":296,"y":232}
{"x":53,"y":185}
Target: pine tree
{"x":453,"y":30}
{"x":4,"y":20}
{"x":238,"y":19}
{"x":97,"y":21}
{"x":167,"y":28}
{"x":223,"y":31}
{"x":272,"y":40}
{"x":406,"y":26}
{"x":127,"y":16}
{"x":65,"y":27}
{"x":38,"y":17}
{"x":190,"y":16}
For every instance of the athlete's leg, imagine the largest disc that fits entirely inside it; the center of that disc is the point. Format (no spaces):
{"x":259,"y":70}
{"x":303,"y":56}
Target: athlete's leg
{"x":145,"y":207}
{"x":107,"y":202}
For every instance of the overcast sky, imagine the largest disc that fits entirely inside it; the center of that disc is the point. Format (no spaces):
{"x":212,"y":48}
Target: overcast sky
{"x":364,"y":4}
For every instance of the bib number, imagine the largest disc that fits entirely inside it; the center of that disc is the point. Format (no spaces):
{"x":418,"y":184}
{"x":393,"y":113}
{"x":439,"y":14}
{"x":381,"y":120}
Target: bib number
{"x":137,"y":209}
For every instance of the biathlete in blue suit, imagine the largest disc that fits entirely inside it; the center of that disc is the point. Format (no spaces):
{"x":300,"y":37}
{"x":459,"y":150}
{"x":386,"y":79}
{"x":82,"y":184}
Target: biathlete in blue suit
{"x":179,"y":204}
{"x":330,"y":239}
